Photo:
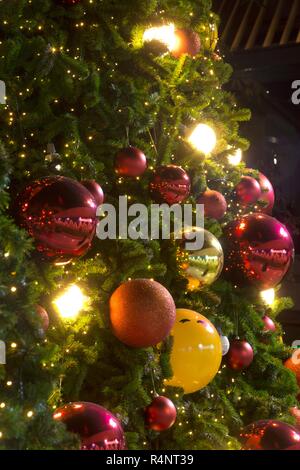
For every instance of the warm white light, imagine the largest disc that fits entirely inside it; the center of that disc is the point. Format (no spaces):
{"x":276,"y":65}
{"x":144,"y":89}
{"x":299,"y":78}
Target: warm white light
{"x":164,"y":34}
{"x":236,"y":157}
{"x":268,"y":296}
{"x":70,"y":302}
{"x":203,"y":138}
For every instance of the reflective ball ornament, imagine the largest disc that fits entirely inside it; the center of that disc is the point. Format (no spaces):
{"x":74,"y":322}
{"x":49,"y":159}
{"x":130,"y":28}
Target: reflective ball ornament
{"x":187,"y":42}
{"x":248,"y":191}
{"x":60,"y":214}
{"x":225,"y":344}
{"x":269,"y":325}
{"x":269,"y":434}
{"x":240,"y":355}
{"x":97,"y":427}
{"x":258,"y":251}
{"x":43,"y":316}
{"x":202,"y":266}
{"x":196,"y":353}
{"x":130,"y":161}
{"x":142,"y":313}
{"x":170,"y":184}
{"x":267,"y":194}
{"x":160,"y":414}
{"x":95,"y":190}
{"x":215,"y":204}
{"x":293,"y":364}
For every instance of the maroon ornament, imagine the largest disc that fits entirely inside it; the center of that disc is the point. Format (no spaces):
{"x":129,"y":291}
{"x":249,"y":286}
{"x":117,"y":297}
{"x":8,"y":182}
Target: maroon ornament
{"x":170,"y":184}
{"x":258,"y":251}
{"x":60,"y":214}
{"x":44,"y":318}
{"x":269,"y":434}
{"x":97,"y":427}
{"x":240,"y":355}
{"x":95,"y":189}
{"x":269,"y":325}
{"x":142,"y":313}
{"x":130,"y":161}
{"x":248,"y":191}
{"x":267,"y":194}
{"x":215,"y":204}
{"x":160,"y":414}
{"x":187,"y":42}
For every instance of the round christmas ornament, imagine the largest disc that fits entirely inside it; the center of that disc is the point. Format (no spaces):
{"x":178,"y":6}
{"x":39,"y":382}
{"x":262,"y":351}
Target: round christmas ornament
{"x":95,"y":190}
{"x":60,"y":214}
{"x":97,"y":427}
{"x":269,"y":325}
{"x":196,"y":353}
{"x":240,"y":355}
{"x":225,"y":344}
{"x":267,"y":194}
{"x":215,"y":205}
{"x":259,"y":251}
{"x":130,"y":161}
{"x":43,"y":316}
{"x":248,"y":191}
{"x":142,"y":313}
{"x":186,"y":42}
{"x":170,"y":184}
{"x":293,"y":364}
{"x":160,"y":414}
{"x":269,"y":434}
{"x":202,"y":266}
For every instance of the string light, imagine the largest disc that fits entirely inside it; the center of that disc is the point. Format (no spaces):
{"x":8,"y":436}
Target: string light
{"x":268,"y":296}
{"x":165,"y":34}
{"x":235,"y":158}
{"x":71,"y":302}
{"x":203,"y":138}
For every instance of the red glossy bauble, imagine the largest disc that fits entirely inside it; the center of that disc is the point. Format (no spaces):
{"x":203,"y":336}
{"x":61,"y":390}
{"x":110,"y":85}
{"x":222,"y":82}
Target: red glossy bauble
{"x":258,"y":251}
{"x":240,"y":355}
{"x":269,"y":434}
{"x":142,"y":313}
{"x":269,"y":325}
{"x":130,"y":161}
{"x":187,"y":42}
{"x":95,"y":189}
{"x":248,"y":191}
{"x":97,"y":427}
{"x":215,"y":204}
{"x":267,"y":194}
{"x":293,"y":364}
{"x":60,"y":214}
{"x":160,"y":414}
{"x":43,"y":316}
{"x":170,"y":184}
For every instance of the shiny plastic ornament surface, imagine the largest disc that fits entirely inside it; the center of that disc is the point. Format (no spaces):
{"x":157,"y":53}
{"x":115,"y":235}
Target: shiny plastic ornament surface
{"x":170,"y":184}
{"x":269,"y":435}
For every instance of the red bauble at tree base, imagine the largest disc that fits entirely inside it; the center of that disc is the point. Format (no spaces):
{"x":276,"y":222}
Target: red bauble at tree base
{"x":187,"y":42}
{"x":248,"y":191}
{"x":270,"y":434}
{"x":95,"y":189}
{"x":258,"y":251}
{"x":269,"y":325}
{"x":240,"y":355}
{"x":160,"y":414}
{"x":215,"y":204}
{"x":170,"y":184}
{"x":60,"y":214}
{"x":142,"y":313}
{"x":97,"y":427}
{"x":130,"y":161}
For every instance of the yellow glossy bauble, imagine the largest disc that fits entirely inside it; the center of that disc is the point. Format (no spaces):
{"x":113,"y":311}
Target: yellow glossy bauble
{"x":203,"y":266}
{"x":197,"y":351}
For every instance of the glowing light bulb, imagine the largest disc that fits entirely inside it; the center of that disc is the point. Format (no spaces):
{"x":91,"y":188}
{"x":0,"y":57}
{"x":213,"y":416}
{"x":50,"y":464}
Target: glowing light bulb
{"x":70,"y":302}
{"x":268,"y":296}
{"x":165,"y":34}
{"x":203,"y":138}
{"x":236,"y":157}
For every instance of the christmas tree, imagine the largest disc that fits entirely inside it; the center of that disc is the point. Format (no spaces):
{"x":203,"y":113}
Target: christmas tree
{"x":128,"y":98}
